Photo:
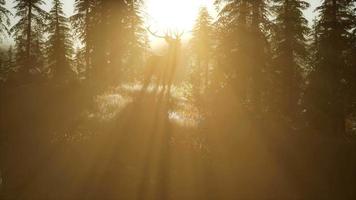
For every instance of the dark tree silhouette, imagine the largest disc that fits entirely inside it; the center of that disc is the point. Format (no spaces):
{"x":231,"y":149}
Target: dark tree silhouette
{"x":243,"y":47}
{"x":259,"y":53}
{"x":27,"y":31}
{"x":59,"y":45}
{"x":136,"y":40}
{"x":291,"y":54}
{"x":202,"y":46}
{"x":232,"y":34}
{"x":326,"y":97}
{"x":4,"y":18}
{"x":82,"y":22}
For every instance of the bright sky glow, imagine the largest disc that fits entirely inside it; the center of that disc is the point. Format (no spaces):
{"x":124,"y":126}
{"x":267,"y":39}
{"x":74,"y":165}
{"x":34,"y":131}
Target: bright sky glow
{"x":173,"y":14}
{"x":180,"y":15}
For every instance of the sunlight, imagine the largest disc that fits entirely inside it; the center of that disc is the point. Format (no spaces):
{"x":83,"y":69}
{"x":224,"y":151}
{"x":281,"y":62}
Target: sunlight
{"x":180,"y":15}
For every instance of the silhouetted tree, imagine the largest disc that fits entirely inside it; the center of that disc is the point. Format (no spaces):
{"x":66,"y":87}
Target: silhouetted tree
{"x":327,"y":94}
{"x":243,"y":49}
{"x":232,"y":34}
{"x":291,"y":53}
{"x":259,"y":53}
{"x":202,"y":46}
{"x":4,"y":18}
{"x":59,"y":47}
{"x":82,"y":21}
{"x":112,"y":34}
{"x":136,"y":40}
{"x":108,"y":39}
{"x":32,"y":19}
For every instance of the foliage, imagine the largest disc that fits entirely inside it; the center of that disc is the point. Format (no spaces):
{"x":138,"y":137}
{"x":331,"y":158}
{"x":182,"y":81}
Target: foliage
{"x":202,"y":46}
{"x":327,"y":95}
{"x":291,"y":54}
{"x":4,"y":18}
{"x":59,"y":44}
{"x":28,"y":32}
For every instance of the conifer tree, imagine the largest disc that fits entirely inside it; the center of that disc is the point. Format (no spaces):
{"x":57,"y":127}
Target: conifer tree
{"x":136,"y":37}
{"x":326,"y":96}
{"x":291,"y":53}
{"x":4,"y":18}
{"x":202,"y":46}
{"x":232,"y":34}
{"x":232,"y":26}
{"x":82,"y":21}
{"x":59,"y":47}
{"x":243,"y":49}
{"x":32,"y":18}
{"x":259,"y":53}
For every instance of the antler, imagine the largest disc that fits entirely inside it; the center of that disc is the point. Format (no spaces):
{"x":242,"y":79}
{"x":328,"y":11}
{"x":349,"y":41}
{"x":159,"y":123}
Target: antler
{"x":177,"y":35}
{"x":155,"y":33}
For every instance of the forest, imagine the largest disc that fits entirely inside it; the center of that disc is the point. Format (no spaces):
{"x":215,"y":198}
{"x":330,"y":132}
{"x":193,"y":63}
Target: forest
{"x":256,"y":100}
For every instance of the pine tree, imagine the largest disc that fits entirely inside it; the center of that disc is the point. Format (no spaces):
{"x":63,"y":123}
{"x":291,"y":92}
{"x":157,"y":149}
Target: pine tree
{"x":243,"y":49}
{"x":31,"y":19}
{"x":59,"y":44}
{"x":136,"y":41}
{"x":109,"y":40}
{"x":326,"y":97}
{"x":4,"y":18}
{"x":291,"y":53}
{"x":112,"y":34}
{"x":232,"y":34}
{"x":202,"y":46}
{"x":83,"y":22}
{"x":259,"y":53}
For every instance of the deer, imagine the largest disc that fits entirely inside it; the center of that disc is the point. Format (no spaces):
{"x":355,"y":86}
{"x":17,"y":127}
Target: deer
{"x":163,"y":67}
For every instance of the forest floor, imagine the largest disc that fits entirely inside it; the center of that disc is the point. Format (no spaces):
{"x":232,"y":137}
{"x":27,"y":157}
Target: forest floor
{"x":131,"y":144}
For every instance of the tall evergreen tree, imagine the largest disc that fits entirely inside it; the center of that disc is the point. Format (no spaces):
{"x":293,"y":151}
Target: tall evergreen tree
{"x":232,"y":34}
{"x":60,"y":48}
{"x":109,"y":39}
{"x":4,"y":18}
{"x":112,"y":34}
{"x":32,"y":18}
{"x":243,"y":28}
{"x":83,"y":21}
{"x":326,"y":97}
{"x":136,"y":42}
{"x":259,"y":53}
{"x":291,"y":53}
{"x":202,"y":46}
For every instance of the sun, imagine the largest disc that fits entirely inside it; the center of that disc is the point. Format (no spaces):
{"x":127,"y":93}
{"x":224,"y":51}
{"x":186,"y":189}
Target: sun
{"x":176,"y":15}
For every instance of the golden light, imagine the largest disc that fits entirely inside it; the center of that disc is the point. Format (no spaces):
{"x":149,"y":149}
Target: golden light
{"x":163,"y":15}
